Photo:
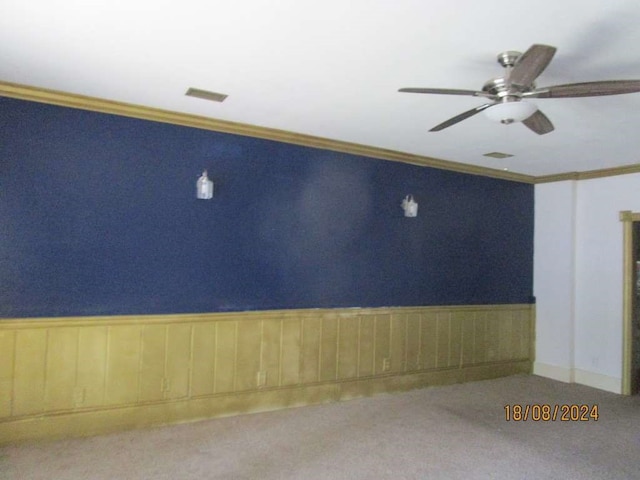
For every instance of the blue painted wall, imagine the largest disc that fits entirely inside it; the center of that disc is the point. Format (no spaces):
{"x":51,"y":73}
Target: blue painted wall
{"x":98,"y":216}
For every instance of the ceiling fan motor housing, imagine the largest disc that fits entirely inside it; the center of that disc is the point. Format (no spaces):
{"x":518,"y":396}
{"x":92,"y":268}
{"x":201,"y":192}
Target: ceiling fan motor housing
{"x":502,"y":87}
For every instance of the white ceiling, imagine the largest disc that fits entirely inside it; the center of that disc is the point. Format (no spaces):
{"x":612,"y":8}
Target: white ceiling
{"x":332,"y":68}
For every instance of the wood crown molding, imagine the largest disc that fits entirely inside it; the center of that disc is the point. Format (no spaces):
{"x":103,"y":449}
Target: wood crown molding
{"x":83,"y":102}
{"x":590,"y":174}
{"x":71,"y":100}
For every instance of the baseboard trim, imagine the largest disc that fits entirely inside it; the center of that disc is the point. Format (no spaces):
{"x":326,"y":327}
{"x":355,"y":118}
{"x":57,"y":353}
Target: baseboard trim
{"x":575,"y":375}
{"x":553,"y":372}
{"x":103,"y":421}
{"x":597,"y":380}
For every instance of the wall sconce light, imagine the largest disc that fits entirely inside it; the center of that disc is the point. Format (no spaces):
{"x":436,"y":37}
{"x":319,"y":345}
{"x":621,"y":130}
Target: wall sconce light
{"x":204,"y":187}
{"x":410,"y":206}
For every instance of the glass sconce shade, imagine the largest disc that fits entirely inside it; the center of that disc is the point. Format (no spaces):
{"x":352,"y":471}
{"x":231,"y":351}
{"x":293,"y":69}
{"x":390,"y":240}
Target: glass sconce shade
{"x":204,"y":187}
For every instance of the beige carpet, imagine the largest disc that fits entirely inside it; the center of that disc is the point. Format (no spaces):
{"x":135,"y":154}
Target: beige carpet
{"x":452,"y":432}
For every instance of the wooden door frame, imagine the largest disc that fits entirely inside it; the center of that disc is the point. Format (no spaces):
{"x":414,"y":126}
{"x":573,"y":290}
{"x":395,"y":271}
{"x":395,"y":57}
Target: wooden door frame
{"x":627,"y":218}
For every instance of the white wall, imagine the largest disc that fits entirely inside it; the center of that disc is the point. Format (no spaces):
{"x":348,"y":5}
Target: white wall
{"x":553,"y":278}
{"x":578,"y":278}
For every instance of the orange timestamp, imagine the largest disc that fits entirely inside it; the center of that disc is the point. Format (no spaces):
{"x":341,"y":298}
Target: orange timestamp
{"x":536,"y":412}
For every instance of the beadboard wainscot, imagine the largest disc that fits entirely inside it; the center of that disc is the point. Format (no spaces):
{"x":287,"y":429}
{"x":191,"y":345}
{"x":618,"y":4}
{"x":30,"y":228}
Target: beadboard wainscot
{"x":79,"y":376}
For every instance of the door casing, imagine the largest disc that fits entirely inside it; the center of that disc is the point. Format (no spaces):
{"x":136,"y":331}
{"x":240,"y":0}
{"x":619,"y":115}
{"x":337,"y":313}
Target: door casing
{"x":627,"y":218}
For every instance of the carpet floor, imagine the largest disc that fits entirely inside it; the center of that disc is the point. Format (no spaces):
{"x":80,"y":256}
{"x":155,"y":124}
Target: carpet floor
{"x":445,"y":432}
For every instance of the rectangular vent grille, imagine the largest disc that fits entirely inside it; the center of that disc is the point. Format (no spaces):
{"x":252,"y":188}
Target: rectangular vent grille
{"x":206,"y":95}
{"x":498,"y":155}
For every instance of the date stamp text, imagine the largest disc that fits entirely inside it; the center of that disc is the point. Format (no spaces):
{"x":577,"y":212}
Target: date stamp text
{"x":539,"y":412}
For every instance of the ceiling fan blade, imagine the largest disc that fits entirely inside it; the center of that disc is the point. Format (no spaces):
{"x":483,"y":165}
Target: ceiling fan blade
{"x":587,"y":89}
{"x":531,"y":64}
{"x":459,"y":118}
{"x":539,"y":123}
{"x":444,"y":91}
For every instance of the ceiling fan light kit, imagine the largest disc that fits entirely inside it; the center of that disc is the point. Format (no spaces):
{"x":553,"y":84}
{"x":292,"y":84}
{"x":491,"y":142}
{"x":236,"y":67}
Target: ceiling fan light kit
{"x":507,"y":93}
{"x":510,"y":112}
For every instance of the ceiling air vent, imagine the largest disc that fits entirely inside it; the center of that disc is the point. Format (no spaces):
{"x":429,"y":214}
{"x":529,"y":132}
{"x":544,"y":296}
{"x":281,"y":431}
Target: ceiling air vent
{"x":206,"y":95}
{"x":497,"y":155}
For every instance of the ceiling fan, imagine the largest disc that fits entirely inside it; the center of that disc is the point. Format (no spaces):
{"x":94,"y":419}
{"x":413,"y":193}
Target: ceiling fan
{"x":509,"y":93}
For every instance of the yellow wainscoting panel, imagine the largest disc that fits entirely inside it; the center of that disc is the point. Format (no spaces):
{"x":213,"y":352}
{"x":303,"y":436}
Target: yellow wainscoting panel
{"x":366,"y":345}
{"x":28,"y":389}
{"x":309,"y":359}
{"x":91,"y":373}
{"x":124,"y":361}
{"x":7,"y":375}
{"x":288,"y":348}
{"x":203,"y":359}
{"x":87,"y":375}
